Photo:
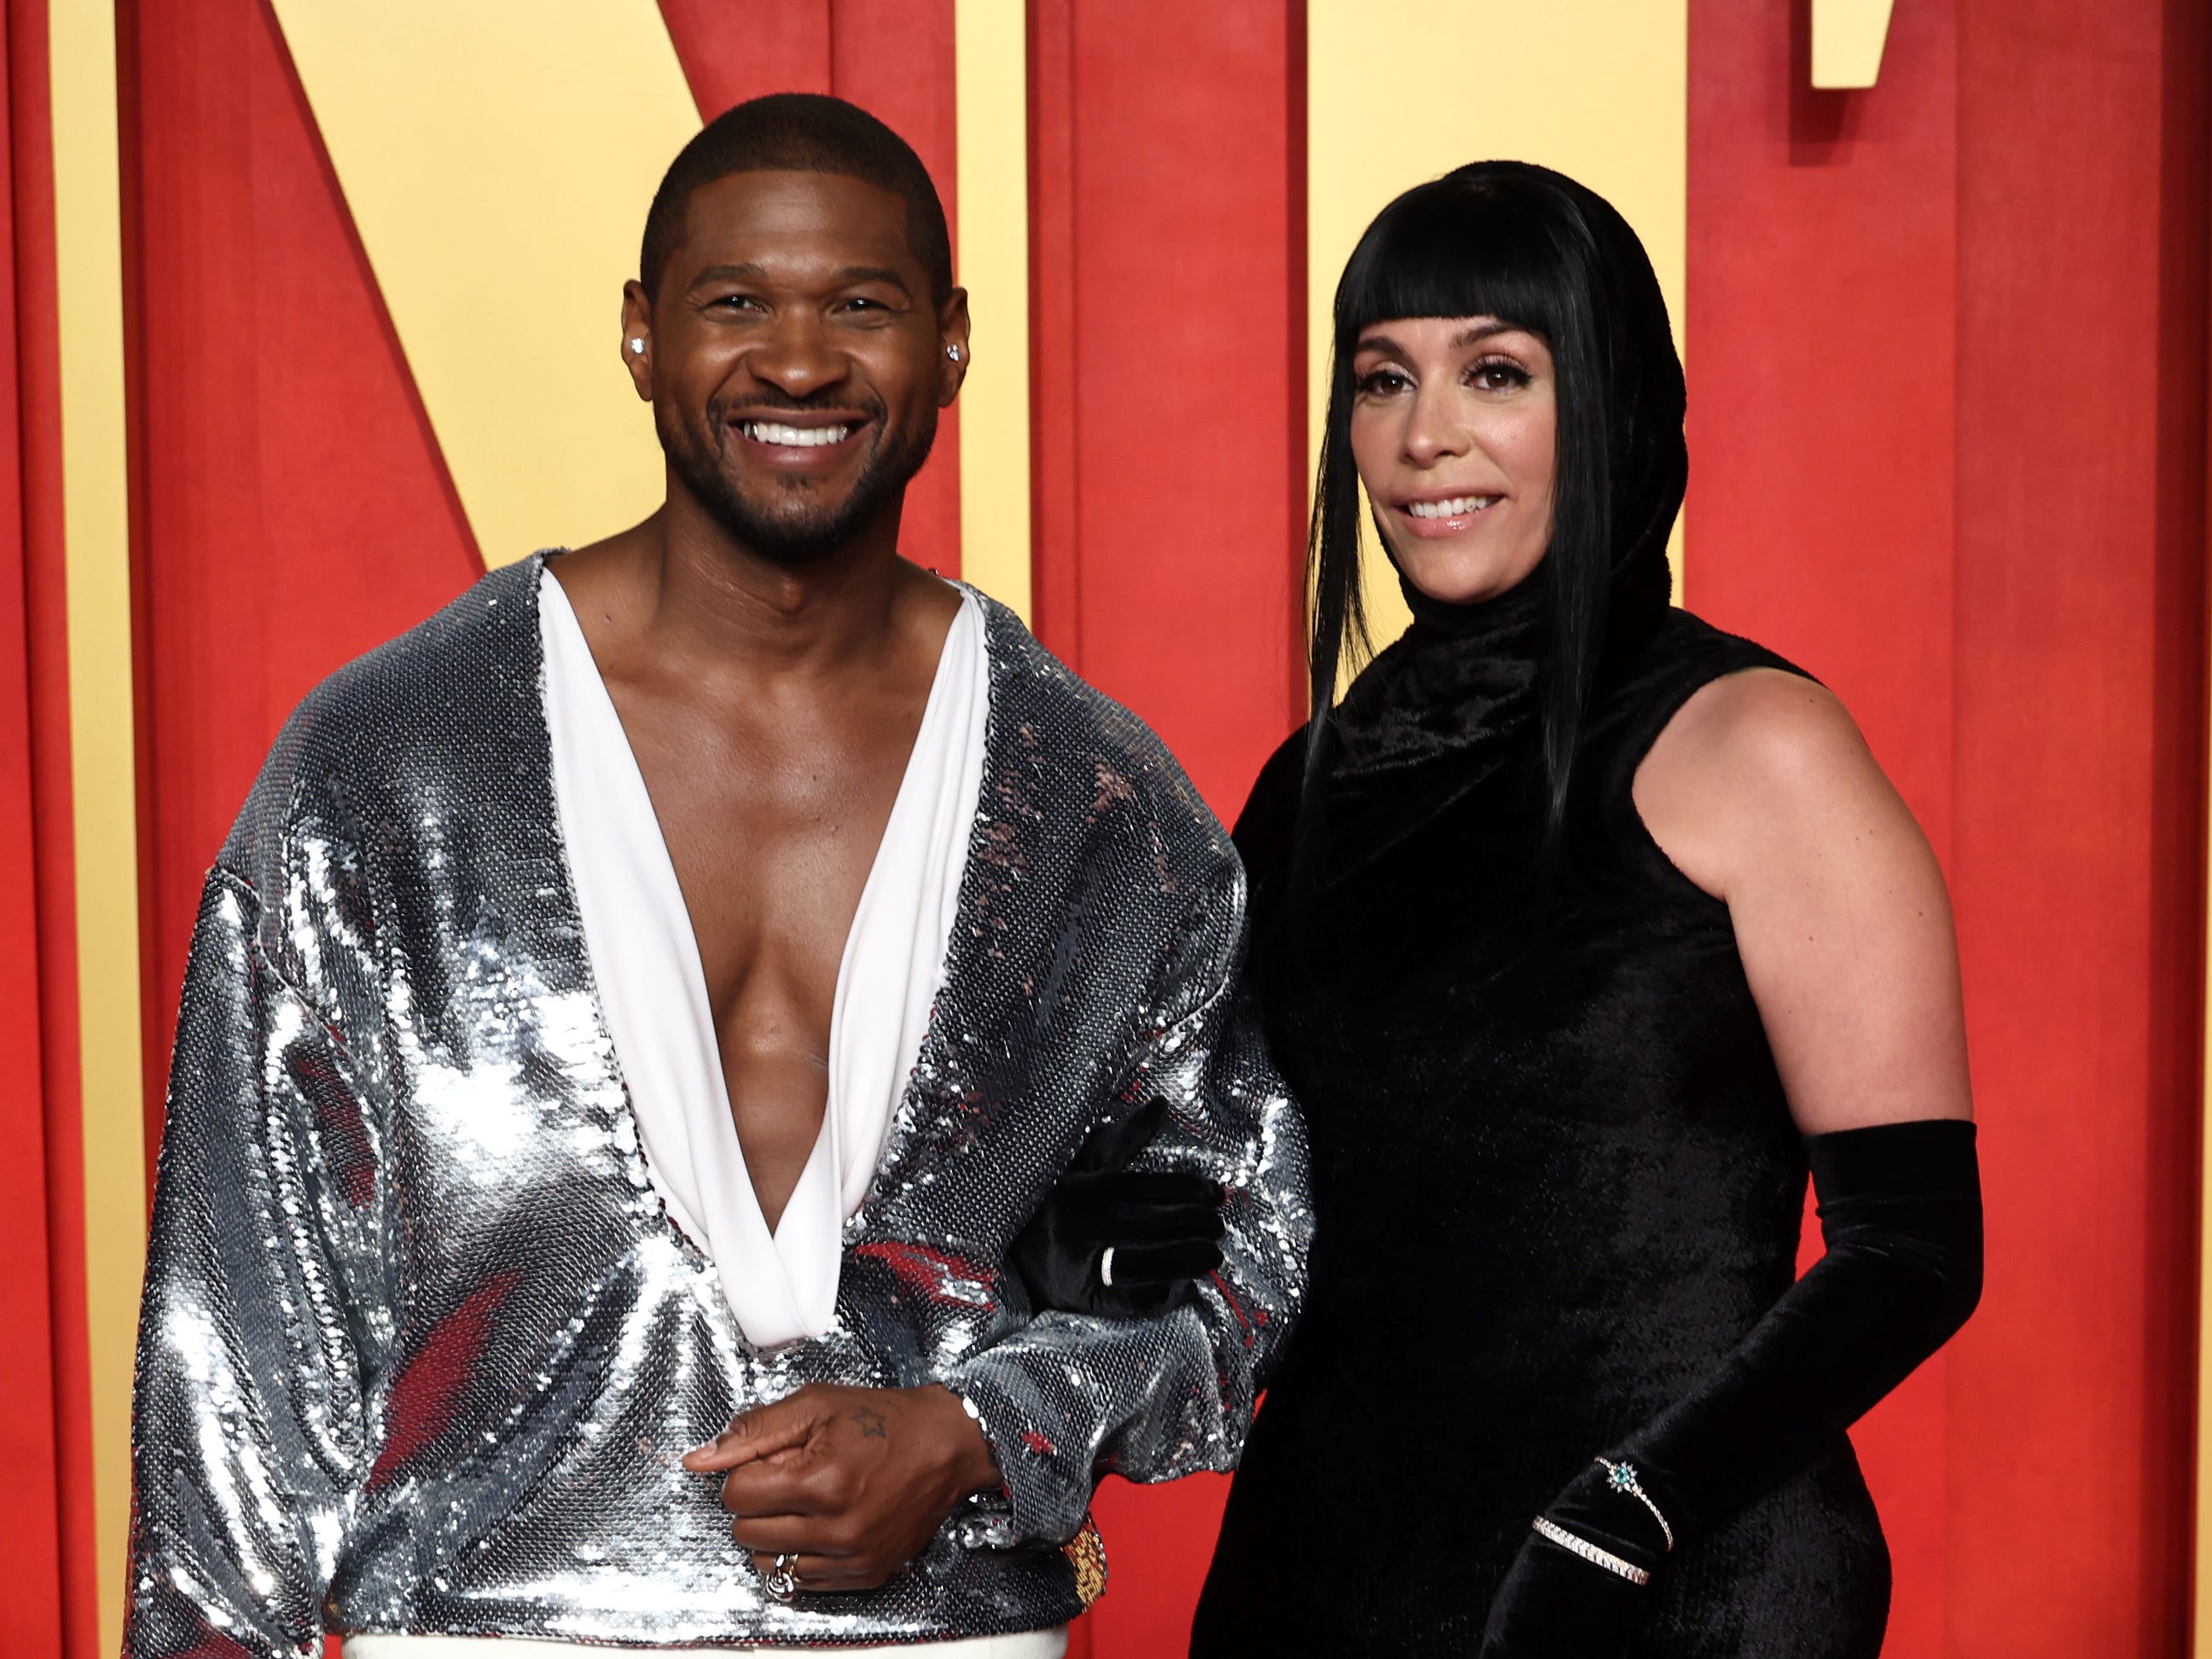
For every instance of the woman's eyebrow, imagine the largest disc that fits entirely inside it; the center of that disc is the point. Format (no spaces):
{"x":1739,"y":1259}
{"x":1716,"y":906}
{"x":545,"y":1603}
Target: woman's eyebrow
{"x":1483,"y":330}
{"x":1473,"y":334}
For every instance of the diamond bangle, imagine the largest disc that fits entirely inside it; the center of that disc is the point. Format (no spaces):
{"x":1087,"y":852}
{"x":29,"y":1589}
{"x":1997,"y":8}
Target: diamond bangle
{"x":1591,"y":1553}
{"x":1622,"y":1477}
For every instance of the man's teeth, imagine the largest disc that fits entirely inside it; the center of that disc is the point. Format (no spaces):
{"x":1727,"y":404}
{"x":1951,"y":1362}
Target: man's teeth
{"x":1451,"y":509}
{"x":805,"y":437}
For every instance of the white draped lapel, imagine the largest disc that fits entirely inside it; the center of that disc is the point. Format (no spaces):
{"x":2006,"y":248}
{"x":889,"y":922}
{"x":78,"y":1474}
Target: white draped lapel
{"x":653,"y":990}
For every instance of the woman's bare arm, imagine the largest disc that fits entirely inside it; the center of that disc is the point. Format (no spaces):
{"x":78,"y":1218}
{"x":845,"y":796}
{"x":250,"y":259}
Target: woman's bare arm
{"x":1762,"y":791}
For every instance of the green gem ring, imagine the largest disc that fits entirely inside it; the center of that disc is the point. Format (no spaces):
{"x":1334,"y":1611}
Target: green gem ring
{"x":1622,"y":1477}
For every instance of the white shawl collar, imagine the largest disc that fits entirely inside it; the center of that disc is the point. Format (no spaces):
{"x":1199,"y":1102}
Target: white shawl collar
{"x":645,"y":960}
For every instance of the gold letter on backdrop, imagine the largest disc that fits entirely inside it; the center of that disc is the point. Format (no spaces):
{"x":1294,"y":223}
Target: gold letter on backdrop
{"x":497,"y":158}
{"x":1848,"y":36}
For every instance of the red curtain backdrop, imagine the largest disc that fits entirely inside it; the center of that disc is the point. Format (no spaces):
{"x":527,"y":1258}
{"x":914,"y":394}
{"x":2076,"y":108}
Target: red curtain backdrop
{"x":1167,"y":300}
{"x":290,"y":508}
{"x":46,"y":1571}
{"x":1168,"y":342}
{"x":1823,"y":275}
{"x":1948,"y":356}
{"x":2079,"y":840}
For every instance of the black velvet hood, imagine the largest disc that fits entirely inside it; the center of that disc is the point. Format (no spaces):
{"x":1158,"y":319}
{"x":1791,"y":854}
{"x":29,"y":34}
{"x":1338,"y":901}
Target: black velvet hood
{"x":1463,"y":715}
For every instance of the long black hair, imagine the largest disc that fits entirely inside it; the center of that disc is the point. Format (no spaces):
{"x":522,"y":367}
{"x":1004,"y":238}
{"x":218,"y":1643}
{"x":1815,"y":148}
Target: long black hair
{"x":1534,"y":249}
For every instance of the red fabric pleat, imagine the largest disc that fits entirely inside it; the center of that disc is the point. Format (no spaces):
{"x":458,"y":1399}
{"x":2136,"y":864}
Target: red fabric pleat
{"x":1821,"y":525}
{"x":48,"y":1577}
{"x":293,"y":510}
{"x":2078,"y":832}
{"x":1902,"y":479}
{"x":1167,"y":426}
{"x":1168,"y":254}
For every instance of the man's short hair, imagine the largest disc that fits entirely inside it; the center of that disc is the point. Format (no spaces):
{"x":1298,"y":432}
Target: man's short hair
{"x":800,"y":132}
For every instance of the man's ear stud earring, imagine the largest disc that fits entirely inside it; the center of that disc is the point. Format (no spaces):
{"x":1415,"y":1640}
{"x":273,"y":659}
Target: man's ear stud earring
{"x":637,"y":347}
{"x":953,"y":352}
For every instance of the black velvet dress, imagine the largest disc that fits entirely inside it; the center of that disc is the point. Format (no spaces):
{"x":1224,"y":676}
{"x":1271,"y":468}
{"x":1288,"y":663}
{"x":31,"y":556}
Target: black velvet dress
{"x":1555,"y":1175}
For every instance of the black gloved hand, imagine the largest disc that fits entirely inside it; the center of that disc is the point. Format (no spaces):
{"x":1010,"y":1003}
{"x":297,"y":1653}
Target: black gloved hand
{"x":1552,"y":1604}
{"x":1164,"y":1227}
{"x":1901,"y":1210}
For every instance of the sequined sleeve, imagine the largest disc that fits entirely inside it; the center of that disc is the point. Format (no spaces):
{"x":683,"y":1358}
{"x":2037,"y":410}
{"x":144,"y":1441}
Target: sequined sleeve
{"x":250,"y":1435}
{"x":1068,"y":1399}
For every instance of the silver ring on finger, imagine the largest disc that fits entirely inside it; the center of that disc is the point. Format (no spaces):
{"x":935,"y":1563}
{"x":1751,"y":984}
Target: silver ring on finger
{"x":782,"y":1582}
{"x":1106,"y":1267}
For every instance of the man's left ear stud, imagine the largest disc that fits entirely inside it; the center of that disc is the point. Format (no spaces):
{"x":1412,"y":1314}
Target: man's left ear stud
{"x":953,"y":352}
{"x":637,"y":347}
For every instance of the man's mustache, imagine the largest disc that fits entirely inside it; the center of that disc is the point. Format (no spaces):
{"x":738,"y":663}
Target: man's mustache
{"x":771,"y":398}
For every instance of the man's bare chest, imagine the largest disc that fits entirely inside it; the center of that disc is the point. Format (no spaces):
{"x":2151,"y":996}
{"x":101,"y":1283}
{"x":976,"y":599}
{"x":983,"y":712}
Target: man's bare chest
{"x":772,"y":844}
{"x":772,"y":848}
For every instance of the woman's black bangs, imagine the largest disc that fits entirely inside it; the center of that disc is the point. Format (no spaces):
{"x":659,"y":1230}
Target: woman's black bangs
{"x":1449,"y":249}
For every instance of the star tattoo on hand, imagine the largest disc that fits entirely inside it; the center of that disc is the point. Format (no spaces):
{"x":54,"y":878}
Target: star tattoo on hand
{"x":872,"y":1425}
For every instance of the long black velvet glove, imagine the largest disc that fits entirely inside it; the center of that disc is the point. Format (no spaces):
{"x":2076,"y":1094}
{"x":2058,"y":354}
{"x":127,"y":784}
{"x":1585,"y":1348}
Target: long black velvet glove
{"x":1164,"y":1226}
{"x":1901,"y":1214}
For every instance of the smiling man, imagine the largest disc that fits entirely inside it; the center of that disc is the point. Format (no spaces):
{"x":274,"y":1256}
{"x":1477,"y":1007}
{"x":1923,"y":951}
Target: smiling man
{"x":635,"y":1022}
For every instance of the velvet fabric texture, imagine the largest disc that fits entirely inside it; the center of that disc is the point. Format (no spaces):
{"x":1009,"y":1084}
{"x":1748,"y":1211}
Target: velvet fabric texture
{"x":1164,"y":1227}
{"x":1901,"y":1217}
{"x":1557,"y":1181}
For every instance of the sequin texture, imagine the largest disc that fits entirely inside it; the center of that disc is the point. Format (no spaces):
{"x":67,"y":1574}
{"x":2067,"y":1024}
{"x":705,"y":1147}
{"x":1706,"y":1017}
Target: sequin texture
{"x":419,"y":1348}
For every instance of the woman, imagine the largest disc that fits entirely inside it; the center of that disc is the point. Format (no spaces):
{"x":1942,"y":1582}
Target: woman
{"x":1582,"y":928}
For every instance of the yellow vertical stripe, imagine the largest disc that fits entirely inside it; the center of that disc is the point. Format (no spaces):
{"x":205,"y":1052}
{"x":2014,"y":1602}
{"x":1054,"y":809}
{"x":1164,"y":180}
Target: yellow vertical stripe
{"x":1399,"y":91}
{"x":497,"y":157}
{"x":991,"y":45}
{"x":2201,"y":1642}
{"x":88,"y":251}
{"x":2201,"y":1635}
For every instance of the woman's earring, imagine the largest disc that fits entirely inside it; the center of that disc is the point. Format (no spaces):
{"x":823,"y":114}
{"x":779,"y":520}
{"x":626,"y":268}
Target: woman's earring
{"x":637,"y":347}
{"x":953,"y":352}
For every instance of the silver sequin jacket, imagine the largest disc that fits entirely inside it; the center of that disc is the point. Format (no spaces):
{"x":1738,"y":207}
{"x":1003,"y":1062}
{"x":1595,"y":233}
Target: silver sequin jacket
{"x":420,"y":1347}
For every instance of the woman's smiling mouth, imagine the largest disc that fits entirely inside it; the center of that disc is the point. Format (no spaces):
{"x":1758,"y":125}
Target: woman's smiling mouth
{"x":1446,"y":515}
{"x":1454,"y":507}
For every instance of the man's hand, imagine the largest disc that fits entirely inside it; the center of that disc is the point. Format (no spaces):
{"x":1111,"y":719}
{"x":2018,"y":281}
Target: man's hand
{"x":854,"y":1482}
